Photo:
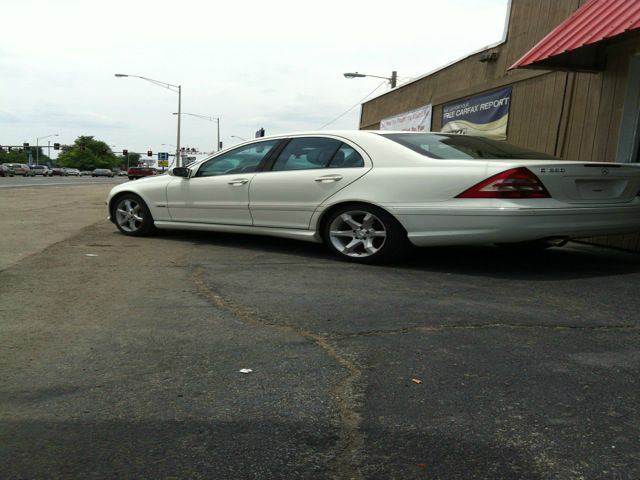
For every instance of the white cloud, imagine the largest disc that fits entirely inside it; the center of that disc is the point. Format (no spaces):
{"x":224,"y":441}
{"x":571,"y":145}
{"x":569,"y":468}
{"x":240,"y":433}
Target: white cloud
{"x":253,"y":64}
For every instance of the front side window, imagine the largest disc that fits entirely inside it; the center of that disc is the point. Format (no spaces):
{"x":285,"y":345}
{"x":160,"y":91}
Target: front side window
{"x":452,"y":147}
{"x":307,"y":153}
{"x":241,"y":160}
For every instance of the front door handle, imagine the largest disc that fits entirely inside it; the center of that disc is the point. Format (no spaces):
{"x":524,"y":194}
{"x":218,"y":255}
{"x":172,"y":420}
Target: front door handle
{"x":329,"y":178}
{"x":236,"y":182}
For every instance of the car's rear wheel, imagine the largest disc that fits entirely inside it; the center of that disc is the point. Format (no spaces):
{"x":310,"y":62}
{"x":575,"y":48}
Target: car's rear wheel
{"x":365,"y":234}
{"x":132,"y":216}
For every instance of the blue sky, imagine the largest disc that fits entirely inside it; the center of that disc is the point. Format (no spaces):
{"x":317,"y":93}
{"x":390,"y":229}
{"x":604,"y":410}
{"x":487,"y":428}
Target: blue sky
{"x":276,"y":64}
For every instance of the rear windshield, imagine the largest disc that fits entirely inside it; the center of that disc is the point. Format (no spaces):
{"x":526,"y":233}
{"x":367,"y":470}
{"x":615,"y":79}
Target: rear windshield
{"x":451,"y":147}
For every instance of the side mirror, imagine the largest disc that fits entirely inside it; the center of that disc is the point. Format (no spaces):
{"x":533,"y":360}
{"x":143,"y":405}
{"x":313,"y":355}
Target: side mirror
{"x":183,"y":172}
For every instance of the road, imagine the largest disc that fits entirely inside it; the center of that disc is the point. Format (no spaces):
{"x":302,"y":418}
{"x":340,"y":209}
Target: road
{"x":121,"y":357}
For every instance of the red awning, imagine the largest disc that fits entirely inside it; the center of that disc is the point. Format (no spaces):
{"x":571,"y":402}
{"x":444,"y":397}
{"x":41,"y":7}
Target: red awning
{"x":595,"y":21}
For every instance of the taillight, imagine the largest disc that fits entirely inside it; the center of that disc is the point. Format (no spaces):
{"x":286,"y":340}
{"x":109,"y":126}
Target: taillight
{"x":514,"y":183}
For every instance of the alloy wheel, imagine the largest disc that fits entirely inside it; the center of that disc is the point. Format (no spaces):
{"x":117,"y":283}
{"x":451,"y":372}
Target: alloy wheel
{"x":357,"y":234}
{"x":129,"y":215}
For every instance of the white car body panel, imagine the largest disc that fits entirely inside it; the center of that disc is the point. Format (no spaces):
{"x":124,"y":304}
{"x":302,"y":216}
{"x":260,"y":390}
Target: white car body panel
{"x":222,"y":199}
{"x":420,"y":192}
{"x":288,"y":199}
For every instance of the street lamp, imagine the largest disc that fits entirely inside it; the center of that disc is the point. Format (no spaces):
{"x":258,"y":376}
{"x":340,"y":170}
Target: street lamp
{"x":239,"y":138}
{"x":174,"y":88}
{"x":48,"y":148}
{"x":393,"y":79}
{"x":205,"y":117}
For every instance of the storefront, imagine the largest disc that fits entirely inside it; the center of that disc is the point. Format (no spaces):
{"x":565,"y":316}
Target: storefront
{"x":565,"y":80}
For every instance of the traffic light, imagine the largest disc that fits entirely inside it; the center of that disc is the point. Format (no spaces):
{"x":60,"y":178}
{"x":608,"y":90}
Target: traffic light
{"x":25,"y":144}
{"x":149,"y":153}
{"x":260,"y":133}
{"x":125,"y":152}
{"x":220,"y":146}
{"x":56,"y":146}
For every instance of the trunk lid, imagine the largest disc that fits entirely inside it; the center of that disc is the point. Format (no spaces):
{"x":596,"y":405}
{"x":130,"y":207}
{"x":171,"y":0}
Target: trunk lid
{"x":586,"y":183}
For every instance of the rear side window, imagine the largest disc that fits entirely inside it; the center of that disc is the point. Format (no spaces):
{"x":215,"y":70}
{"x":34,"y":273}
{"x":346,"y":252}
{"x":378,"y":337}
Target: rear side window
{"x":306,"y":153}
{"x":315,"y":153}
{"x":346,"y":157}
{"x":452,"y":147}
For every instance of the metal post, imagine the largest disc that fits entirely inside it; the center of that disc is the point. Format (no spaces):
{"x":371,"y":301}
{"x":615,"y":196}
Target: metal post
{"x":49,"y":150}
{"x":37,"y":150}
{"x":218,"y":121}
{"x":178,"y":159}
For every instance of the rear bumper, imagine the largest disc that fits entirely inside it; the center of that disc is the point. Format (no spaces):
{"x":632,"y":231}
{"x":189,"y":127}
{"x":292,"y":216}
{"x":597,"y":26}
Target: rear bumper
{"x":433,"y":226}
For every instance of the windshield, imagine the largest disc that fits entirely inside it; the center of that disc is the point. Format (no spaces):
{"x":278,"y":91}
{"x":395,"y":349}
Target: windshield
{"x":451,"y":147}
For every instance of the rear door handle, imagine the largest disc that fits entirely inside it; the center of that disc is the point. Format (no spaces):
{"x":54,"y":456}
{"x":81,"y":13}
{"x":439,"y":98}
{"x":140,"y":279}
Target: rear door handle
{"x":236,"y":182}
{"x":329,"y":178}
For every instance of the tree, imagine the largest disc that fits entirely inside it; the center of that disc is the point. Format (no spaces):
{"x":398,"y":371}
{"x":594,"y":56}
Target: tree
{"x":22,"y":156}
{"x":86,"y":153}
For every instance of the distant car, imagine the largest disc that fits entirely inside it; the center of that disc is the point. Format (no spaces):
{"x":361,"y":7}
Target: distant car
{"x":369,"y":195}
{"x":122,"y":173}
{"x":20,"y":169}
{"x":74,"y":172}
{"x":85,"y":173}
{"x":43,"y":170}
{"x":102,"y":172}
{"x":6,"y":171}
{"x":59,"y":171}
{"x":138,"y":172}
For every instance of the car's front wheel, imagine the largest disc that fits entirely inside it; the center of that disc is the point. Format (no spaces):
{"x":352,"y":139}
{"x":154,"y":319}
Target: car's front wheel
{"x":132,"y":216}
{"x":365,"y":234}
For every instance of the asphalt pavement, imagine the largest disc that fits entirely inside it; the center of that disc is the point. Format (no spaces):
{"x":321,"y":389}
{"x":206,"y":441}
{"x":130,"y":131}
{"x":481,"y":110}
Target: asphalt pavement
{"x":122,"y":357}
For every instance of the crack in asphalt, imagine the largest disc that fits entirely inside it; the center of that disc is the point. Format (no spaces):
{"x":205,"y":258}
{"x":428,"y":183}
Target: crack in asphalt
{"x":478,"y":326}
{"x":343,"y":393}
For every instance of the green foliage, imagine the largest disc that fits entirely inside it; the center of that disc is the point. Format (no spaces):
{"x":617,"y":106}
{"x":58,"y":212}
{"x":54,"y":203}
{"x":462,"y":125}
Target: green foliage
{"x":86,"y":153}
{"x":22,"y":156}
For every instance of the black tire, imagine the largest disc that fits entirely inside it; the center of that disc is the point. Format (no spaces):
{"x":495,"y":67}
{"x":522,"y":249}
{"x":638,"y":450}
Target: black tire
{"x":132,"y":216}
{"x":365,"y":234}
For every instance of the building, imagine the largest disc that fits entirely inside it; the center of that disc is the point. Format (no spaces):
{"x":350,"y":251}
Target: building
{"x":565,"y":80}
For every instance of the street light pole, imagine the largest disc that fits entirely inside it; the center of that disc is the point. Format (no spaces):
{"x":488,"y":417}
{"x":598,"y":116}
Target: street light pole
{"x":175,"y":89}
{"x":38,"y":146}
{"x":178,"y":158}
{"x":393,"y":79}
{"x":205,"y":117}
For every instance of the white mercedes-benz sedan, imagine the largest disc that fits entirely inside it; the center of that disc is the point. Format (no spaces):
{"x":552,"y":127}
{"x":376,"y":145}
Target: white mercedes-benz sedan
{"x":369,"y":195}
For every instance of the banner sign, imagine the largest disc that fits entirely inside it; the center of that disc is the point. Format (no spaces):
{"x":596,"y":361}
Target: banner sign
{"x":418,"y":120}
{"x":483,"y":115}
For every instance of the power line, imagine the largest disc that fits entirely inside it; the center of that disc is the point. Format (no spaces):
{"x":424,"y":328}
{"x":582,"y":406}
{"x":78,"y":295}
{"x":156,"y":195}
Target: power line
{"x":344,"y":113}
